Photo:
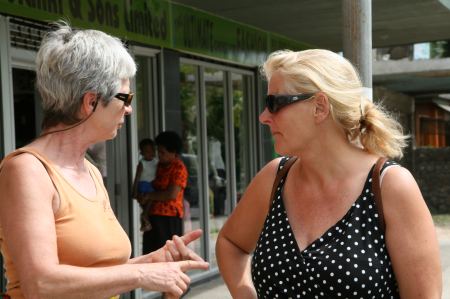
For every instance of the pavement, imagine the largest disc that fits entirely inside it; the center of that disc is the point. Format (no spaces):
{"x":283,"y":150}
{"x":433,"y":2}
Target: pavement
{"x":215,"y":288}
{"x":444,"y":242}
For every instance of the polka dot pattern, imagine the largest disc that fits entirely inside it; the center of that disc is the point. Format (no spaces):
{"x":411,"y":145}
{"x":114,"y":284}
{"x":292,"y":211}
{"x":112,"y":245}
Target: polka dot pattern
{"x":349,"y":260}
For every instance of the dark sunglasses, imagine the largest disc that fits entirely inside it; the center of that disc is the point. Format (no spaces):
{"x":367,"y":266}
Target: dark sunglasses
{"x":275,"y":102}
{"x":125,"y":97}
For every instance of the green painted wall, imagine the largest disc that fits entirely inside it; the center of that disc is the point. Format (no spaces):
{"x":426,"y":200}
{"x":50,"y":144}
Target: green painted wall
{"x":160,"y":23}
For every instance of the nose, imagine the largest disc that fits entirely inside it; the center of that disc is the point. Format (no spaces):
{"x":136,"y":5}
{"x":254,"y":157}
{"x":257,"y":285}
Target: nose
{"x":128,"y":110}
{"x":265,"y":117}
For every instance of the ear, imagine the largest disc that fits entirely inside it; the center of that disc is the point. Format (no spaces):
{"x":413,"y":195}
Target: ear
{"x":89,"y":103}
{"x":321,"y":106}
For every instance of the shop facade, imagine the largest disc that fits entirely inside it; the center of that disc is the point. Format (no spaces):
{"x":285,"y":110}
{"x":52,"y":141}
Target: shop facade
{"x":197,"y":75}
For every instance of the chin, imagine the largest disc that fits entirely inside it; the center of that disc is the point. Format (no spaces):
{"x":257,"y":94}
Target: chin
{"x":112,"y":136}
{"x":283,"y":151}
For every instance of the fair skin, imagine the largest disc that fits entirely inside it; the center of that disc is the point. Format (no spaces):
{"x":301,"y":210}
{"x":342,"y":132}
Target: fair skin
{"x":31,"y":238}
{"x":320,"y":188}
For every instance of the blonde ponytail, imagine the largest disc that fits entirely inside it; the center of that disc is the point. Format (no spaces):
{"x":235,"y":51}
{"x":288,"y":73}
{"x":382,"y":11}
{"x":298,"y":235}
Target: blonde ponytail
{"x":380,"y":133}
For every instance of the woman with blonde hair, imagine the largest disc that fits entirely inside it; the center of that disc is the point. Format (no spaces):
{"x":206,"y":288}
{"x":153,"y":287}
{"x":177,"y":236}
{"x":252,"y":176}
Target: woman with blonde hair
{"x":331,"y":218}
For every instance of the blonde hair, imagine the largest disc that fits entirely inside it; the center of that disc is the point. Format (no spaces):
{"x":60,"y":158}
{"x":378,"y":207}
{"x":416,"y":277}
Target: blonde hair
{"x":317,"y":70}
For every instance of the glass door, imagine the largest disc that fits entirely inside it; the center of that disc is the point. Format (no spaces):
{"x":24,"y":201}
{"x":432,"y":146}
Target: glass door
{"x":146,"y":122}
{"x":190,"y":135}
{"x":219,"y":197}
{"x":217,"y":123}
{"x":242,"y":118}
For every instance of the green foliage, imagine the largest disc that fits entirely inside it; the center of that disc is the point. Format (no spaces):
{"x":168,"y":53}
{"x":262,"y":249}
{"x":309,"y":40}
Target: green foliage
{"x":440,"y":49}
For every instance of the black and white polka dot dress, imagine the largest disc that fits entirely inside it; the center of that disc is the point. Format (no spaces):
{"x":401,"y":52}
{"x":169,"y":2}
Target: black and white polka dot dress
{"x":349,"y":260}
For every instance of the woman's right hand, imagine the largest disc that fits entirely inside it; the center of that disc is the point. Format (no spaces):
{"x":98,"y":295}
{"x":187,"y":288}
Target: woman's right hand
{"x":169,"y":277}
{"x":177,"y":249}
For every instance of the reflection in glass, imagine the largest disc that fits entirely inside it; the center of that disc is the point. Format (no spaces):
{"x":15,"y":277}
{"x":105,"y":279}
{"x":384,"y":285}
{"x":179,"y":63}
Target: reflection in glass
{"x":190,"y":152}
{"x":215,"y":123}
{"x":144,"y":113}
{"x":241,"y":135}
{"x":143,"y":97}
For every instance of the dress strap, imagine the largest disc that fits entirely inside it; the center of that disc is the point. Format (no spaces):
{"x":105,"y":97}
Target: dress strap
{"x":376,"y":189}
{"x":283,"y":168}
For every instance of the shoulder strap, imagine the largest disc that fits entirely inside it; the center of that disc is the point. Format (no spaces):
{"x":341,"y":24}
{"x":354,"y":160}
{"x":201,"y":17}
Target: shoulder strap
{"x":280,"y":174}
{"x":376,"y":189}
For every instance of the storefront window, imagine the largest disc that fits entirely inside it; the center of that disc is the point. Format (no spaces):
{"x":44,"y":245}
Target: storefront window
{"x":190,"y":152}
{"x":217,"y":179}
{"x":241,"y":134}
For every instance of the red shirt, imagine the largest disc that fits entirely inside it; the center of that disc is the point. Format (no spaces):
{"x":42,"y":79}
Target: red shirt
{"x":173,"y":174}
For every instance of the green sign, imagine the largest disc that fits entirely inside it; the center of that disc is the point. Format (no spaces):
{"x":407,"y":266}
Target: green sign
{"x":141,"y":21}
{"x":159,"y":23}
{"x":199,"y":32}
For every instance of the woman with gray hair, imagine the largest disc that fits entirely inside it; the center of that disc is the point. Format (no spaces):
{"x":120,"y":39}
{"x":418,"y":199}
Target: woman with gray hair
{"x":58,"y":234}
{"x":332,"y":218}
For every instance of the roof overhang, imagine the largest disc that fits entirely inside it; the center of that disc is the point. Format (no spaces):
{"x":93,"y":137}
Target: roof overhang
{"x":319,"y":22}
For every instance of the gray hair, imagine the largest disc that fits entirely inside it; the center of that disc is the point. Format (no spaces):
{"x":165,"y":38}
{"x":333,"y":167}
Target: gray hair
{"x":71,"y":63}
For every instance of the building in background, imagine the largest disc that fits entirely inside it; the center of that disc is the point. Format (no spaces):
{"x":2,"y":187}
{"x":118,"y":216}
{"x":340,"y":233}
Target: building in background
{"x":198,"y":75}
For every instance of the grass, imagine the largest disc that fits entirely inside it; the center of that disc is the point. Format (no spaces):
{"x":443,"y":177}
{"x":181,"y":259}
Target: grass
{"x":442,"y":219}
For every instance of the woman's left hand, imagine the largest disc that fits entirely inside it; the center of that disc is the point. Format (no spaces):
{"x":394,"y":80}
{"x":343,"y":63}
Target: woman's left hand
{"x":176,"y":249}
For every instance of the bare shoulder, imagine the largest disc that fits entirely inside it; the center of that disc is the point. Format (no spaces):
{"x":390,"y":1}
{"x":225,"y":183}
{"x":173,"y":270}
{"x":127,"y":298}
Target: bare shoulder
{"x":260,"y":186}
{"x":245,"y":223}
{"x":399,"y":182}
{"x":23,"y":164}
{"x":268,"y":172}
{"x":24,"y":172}
{"x":401,"y":195}
{"x":27,"y":214}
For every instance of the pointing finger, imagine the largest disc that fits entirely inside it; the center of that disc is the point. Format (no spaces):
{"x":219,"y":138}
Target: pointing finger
{"x":191,"y":265}
{"x":191,"y":236}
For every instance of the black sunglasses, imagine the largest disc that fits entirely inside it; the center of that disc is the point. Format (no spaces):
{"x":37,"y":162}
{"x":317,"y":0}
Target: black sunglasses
{"x":275,"y":102}
{"x":125,"y":97}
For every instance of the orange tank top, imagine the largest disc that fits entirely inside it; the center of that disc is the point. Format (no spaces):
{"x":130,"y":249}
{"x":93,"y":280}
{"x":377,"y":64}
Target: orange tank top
{"x":87,"y":231}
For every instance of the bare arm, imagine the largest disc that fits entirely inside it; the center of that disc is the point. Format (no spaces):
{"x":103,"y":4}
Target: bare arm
{"x":239,"y":235}
{"x":165,"y":195}
{"x":31,"y":239}
{"x":411,"y":237}
{"x":137,"y":178}
{"x":169,"y":194}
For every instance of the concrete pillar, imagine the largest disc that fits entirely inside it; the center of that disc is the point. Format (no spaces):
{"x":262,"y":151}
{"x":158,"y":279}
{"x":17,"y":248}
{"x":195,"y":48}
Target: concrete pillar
{"x":357,"y":37}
